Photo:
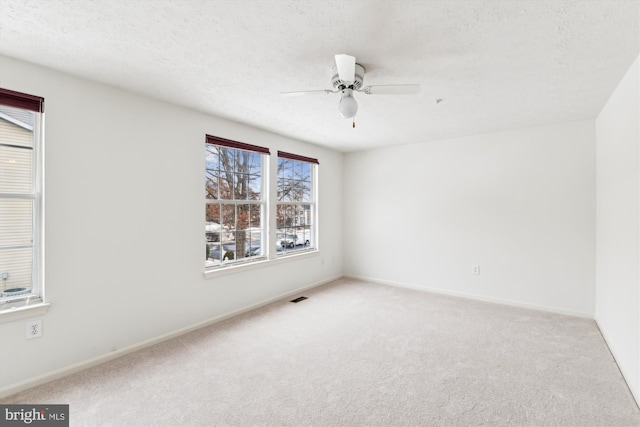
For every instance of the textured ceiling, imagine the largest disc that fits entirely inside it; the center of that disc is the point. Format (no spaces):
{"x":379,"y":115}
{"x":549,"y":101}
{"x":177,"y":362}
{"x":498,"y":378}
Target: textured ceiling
{"x":496,"y":65}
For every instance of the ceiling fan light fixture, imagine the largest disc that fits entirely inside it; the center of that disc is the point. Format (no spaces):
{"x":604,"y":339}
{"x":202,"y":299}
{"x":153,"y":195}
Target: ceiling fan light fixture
{"x":348,"y":106}
{"x":347,"y":77}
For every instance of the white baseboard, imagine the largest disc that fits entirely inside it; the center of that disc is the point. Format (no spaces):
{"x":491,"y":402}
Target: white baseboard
{"x":86,"y":364}
{"x":474,"y":297}
{"x":634,"y":393}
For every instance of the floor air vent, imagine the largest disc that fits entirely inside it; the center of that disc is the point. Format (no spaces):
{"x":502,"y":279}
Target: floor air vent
{"x":298,"y":299}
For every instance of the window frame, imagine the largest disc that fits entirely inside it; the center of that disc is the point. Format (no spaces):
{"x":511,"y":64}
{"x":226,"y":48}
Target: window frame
{"x":313,"y":191}
{"x":13,"y":307}
{"x":263,"y":202}
{"x":269,"y":187}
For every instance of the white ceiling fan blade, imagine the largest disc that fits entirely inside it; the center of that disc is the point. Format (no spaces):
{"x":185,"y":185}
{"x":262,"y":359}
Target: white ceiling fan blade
{"x":308,"y":92}
{"x":346,"y":65}
{"x":391,"y":89}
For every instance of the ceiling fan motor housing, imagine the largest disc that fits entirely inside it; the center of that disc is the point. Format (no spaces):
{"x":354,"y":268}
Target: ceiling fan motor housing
{"x":355,"y":85}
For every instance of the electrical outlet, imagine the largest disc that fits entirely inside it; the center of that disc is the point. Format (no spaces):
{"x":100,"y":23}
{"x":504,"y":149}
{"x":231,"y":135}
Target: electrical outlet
{"x":34,"y":328}
{"x":475,"y":270}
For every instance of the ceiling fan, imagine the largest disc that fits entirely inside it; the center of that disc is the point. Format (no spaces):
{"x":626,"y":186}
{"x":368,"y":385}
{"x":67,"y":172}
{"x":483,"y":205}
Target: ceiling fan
{"x":347,"y":78}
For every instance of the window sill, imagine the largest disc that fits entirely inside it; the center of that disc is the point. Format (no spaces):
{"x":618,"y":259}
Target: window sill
{"x":236,"y":268}
{"x":17,"y":313}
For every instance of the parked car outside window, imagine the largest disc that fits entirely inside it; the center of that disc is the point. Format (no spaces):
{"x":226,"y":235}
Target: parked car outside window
{"x":287,"y":240}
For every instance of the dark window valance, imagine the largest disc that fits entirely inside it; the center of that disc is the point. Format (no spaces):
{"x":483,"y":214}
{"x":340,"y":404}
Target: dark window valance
{"x":216,"y":140}
{"x":21,"y":100}
{"x":297,"y":157}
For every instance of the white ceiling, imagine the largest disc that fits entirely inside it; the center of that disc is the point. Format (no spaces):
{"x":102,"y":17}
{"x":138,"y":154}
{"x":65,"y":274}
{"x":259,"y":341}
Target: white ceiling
{"x":496,"y":64}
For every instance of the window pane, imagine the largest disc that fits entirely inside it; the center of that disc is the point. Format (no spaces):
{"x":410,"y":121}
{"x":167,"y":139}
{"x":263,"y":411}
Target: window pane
{"x":297,"y":191}
{"x":280,"y":216}
{"x":255,"y":217}
{"x":212,"y":225}
{"x":226,"y":156}
{"x":243,"y":240}
{"x":289,"y":190}
{"x":228,"y":234}
{"x":239,"y":157}
{"x":289,"y":216}
{"x":19,"y":131}
{"x":228,"y":222}
{"x":254,"y":189}
{"x":254,"y":247}
{"x":226,"y":185}
{"x":305,"y":171}
{"x":242,"y":219}
{"x":212,"y":186}
{"x":18,"y":266}
{"x":280,"y":194}
{"x":16,"y":169}
{"x":295,"y":215}
{"x":307,"y":215}
{"x":281,"y":166}
{"x":240,"y":187}
{"x":255,"y":164}
{"x":308,"y":235}
{"x":16,"y":225}
{"x":212,"y":158}
{"x":302,"y":220}
{"x":304,"y":236}
{"x":287,"y":168}
{"x":215,"y":252}
{"x":297,"y":169}
{"x":305,"y":191}
{"x":301,"y":236}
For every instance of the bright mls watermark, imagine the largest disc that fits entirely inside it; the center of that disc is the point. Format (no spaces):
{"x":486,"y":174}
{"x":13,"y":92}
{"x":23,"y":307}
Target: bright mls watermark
{"x":35,"y":415}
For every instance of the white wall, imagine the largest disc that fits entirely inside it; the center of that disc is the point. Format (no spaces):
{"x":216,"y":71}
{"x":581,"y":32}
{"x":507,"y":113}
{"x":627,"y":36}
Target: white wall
{"x":521,"y":204}
{"x":125,"y":218}
{"x":618,"y":226}
{"x":125,"y":221}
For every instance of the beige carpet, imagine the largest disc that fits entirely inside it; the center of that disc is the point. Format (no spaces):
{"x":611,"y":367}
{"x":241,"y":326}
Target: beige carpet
{"x":361,"y":354}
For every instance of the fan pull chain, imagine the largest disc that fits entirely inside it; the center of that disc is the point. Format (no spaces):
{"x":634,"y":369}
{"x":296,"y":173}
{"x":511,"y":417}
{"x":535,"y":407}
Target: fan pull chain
{"x":354,"y":124}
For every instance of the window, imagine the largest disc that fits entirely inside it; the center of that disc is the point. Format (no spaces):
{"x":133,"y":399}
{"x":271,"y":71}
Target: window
{"x":21,"y":198}
{"x":295,"y":211}
{"x":236,"y":225}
